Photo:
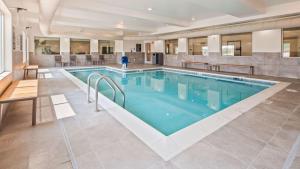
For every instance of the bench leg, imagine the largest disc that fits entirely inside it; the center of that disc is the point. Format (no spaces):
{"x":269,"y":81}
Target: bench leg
{"x":24,"y":77}
{"x":34,"y":111}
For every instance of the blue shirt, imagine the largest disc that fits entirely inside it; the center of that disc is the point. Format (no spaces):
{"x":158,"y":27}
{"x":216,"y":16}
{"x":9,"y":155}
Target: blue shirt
{"x":124,"y":60}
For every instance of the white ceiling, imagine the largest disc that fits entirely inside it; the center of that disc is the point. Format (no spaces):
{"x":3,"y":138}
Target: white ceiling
{"x":118,"y":18}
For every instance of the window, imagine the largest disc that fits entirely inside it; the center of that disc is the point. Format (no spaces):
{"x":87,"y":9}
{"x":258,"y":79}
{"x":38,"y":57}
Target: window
{"x":47,"y":46}
{"x":1,"y":44}
{"x":198,"y":46}
{"x":171,"y":46}
{"x":237,"y":44}
{"x":80,"y":46}
{"x":286,"y":50}
{"x":106,"y":46}
{"x":148,"y":50}
{"x":138,"y":47}
{"x":228,"y":50}
{"x":291,"y":42}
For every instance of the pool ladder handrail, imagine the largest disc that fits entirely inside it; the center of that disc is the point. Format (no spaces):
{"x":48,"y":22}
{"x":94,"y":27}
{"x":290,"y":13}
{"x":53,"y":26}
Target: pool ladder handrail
{"x":109,"y":82}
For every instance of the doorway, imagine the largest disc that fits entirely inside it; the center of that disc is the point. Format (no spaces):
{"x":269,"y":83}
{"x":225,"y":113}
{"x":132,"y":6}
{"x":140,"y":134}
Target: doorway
{"x":148,"y":53}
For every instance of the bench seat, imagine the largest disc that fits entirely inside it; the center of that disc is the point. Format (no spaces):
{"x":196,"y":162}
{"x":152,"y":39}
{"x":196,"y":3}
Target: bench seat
{"x":185,"y":63}
{"x":22,"y":90}
{"x":251,"y":67}
{"x":28,"y":68}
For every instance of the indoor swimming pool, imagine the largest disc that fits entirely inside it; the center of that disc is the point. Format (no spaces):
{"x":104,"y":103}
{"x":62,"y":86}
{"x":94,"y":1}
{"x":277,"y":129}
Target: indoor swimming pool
{"x":172,"y":100}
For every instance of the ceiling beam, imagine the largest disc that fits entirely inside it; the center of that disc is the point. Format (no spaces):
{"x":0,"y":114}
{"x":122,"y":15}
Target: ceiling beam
{"x":257,"y":5}
{"x":113,"y":22}
{"x":101,"y":7}
{"x":237,"y":8}
{"x":71,"y":30}
{"x":47,"y":12}
{"x":98,"y":24}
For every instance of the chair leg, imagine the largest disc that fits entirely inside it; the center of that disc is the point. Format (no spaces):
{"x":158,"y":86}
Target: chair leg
{"x":24,"y":77}
{"x":34,"y":112}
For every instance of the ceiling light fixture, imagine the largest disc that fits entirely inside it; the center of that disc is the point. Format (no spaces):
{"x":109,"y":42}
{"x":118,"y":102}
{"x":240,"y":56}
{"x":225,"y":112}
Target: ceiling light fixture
{"x":193,"y":19}
{"x":18,"y":9}
{"x":120,"y":26}
{"x":150,"y":9}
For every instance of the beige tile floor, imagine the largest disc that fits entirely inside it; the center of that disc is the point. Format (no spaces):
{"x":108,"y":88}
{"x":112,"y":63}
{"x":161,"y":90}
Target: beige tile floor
{"x":259,"y":139}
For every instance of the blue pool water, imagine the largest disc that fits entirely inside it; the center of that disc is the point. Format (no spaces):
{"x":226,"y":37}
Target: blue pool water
{"x":169,"y":101}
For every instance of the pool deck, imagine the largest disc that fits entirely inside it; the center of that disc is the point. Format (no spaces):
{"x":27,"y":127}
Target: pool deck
{"x":261,"y":138}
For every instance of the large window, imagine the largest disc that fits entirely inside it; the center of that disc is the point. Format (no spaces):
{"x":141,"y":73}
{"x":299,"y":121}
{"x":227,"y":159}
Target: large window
{"x":237,"y":44}
{"x":291,"y":42}
{"x":1,"y":44}
{"x":171,"y":46}
{"x":47,"y":46}
{"x":80,"y":46}
{"x":198,"y":46}
{"x":106,"y":46}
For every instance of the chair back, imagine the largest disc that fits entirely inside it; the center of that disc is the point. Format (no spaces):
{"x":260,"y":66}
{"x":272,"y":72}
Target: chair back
{"x":58,"y":58}
{"x":101,"y":57}
{"x":73,"y":58}
{"x":88,"y":57}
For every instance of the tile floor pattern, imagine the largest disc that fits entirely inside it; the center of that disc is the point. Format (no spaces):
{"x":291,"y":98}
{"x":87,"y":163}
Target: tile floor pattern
{"x":258,"y":139}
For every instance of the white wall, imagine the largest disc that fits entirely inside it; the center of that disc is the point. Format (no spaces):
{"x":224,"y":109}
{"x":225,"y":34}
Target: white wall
{"x":130,"y":45}
{"x":159,"y":46}
{"x":26,"y":47}
{"x":64,"y":45}
{"x":94,"y":45}
{"x":31,"y":43}
{"x":266,"y":41}
{"x":32,"y":33}
{"x":183,"y":45}
{"x":214,"y":44}
{"x":119,"y":46}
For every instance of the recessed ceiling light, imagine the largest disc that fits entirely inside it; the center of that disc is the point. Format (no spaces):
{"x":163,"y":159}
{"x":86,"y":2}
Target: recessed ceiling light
{"x":149,"y":9}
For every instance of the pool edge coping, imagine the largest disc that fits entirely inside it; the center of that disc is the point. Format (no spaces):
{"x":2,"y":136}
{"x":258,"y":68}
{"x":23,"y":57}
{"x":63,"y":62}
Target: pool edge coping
{"x":169,"y":146}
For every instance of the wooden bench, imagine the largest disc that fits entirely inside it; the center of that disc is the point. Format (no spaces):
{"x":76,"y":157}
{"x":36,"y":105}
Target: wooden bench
{"x":22,"y":90}
{"x":218,"y":67}
{"x":27,"y":68}
{"x":185,"y":63}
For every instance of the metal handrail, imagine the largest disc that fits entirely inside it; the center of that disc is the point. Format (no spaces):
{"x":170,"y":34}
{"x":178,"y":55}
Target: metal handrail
{"x":110,"y":83}
{"x":96,"y":87}
{"x":118,"y":87}
{"x":89,"y":83}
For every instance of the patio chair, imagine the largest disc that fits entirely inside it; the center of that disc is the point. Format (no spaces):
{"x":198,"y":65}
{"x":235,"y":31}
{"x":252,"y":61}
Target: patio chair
{"x":95,"y":59}
{"x":58,"y":60}
{"x":88,"y":59}
{"x":101,"y":59}
{"x":73,"y":60}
